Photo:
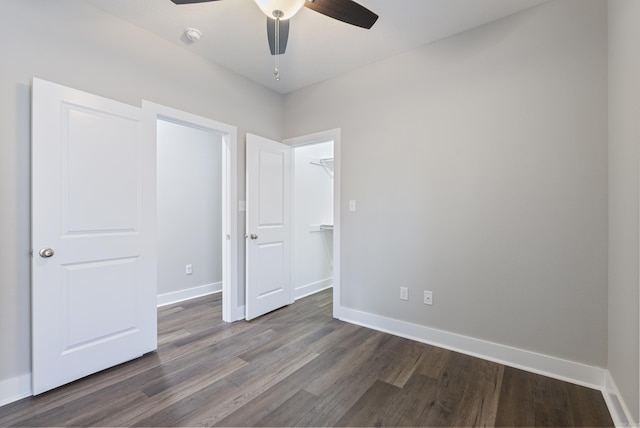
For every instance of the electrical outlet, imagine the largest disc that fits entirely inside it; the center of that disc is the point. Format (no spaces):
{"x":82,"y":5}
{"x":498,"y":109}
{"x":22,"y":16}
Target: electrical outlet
{"x":404,"y":293}
{"x":188,"y":269}
{"x":428,"y":297}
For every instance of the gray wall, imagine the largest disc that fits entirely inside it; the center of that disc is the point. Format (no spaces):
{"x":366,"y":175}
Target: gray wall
{"x":479,"y":166}
{"x":189,"y":207}
{"x":624,"y":135}
{"x":74,"y":44}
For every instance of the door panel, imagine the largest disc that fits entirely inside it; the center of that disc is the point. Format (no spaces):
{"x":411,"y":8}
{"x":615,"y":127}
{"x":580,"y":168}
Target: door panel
{"x":268,"y":226}
{"x":93,"y":204}
{"x":94,"y":142}
{"x":270,"y":189}
{"x":269,"y":264}
{"x":92,"y":291}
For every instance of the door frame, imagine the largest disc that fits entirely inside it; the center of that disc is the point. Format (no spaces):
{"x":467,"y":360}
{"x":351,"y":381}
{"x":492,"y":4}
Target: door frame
{"x":315,"y":138}
{"x":229,"y":133}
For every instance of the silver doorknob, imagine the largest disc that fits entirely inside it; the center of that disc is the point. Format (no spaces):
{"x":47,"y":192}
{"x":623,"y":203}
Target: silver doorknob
{"x":253,"y":236}
{"x":46,"y":252}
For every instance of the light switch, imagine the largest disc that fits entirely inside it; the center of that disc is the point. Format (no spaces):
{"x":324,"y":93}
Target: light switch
{"x":242,"y":206}
{"x":352,"y":205}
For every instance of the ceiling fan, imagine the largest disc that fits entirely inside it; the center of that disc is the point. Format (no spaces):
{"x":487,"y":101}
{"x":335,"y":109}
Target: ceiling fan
{"x":280,"y":11}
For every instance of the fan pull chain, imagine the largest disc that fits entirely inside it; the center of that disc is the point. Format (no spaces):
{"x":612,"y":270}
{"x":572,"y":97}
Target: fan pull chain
{"x":276,"y":71}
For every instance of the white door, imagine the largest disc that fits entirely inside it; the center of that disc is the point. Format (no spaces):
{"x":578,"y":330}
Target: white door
{"x":93,"y":234}
{"x":268,"y":277}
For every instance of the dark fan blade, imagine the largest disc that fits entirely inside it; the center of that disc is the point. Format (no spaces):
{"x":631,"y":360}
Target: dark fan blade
{"x":271,"y":34}
{"x":344,"y":10}
{"x":190,"y":1}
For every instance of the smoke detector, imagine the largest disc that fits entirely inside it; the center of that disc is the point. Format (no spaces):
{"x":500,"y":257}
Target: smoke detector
{"x":192,"y":34}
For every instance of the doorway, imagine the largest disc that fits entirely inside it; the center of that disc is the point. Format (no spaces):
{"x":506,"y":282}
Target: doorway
{"x":228,"y":229}
{"x":312,"y":218}
{"x":326,"y":229}
{"x":189,"y":198}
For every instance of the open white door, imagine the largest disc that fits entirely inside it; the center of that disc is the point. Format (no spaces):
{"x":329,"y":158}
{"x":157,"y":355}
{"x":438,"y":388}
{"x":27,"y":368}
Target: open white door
{"x":268,"y":259}
{"x":93,"y":234}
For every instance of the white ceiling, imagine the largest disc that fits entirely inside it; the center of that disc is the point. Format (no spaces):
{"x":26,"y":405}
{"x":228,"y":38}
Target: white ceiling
{"x":234,"y":33}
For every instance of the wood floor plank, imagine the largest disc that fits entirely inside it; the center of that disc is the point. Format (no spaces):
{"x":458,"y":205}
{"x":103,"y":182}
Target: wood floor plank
{"x":515,"y":408}
{"x":354,"y":380}
{"x":288,"y":413}
{"x":232,"y":402}
{"x":479,"y":402}
{"x":581,"y":408}
{"x":189,"y":407}
{"x":257,"y":409}
{"x":549,"y":416}
{"x":416,"y":401}
{"x":452,"y":385}
{"x":549,"y":392}
{"x":303,"y":345}
{"x":164,"y":394}
{"x":301,"y":337}
{"x":434,"y":362}
{"x":357,"y":356}
{"x":372,"y":407}
{"x":168,"y":337}
{"x":409,"y":356}
{"x":489,"y":394}
{"x":298,"y":366}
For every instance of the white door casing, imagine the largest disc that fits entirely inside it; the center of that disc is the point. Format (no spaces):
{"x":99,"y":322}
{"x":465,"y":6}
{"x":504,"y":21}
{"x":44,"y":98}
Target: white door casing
{"x":268,"y":259}
{"x":94,"y":205}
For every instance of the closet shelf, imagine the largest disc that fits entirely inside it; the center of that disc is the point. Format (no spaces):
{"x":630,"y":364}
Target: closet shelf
{"x":320,"y":227}
{"x":325,"y":163}
{"x":322,"y":161}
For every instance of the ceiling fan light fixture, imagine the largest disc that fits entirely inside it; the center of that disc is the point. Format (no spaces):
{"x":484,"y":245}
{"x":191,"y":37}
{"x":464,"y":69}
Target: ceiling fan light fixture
{"x":283,"y":9}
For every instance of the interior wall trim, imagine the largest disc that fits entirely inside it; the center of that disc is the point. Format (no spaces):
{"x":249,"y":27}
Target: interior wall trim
{"x":617,"y":407}
{"x":15,"y":388}
{"x":312,"y":288}
{"x":189,"y":293}
{"x":557,"y":368}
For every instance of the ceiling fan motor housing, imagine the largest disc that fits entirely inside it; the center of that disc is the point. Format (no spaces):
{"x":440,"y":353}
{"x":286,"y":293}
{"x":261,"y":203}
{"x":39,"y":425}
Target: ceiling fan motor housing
{"x":283,"y":9}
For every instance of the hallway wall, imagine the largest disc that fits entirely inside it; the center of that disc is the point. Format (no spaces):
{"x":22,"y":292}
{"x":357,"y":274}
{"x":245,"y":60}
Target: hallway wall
{"x":189,"y":211}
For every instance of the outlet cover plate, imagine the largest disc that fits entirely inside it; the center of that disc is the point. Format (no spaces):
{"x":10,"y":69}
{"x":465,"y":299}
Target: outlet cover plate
{"x":428,"y":297}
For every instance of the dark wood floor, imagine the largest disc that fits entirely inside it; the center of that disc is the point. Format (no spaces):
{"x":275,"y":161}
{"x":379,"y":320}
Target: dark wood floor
{"x":299,"y":367}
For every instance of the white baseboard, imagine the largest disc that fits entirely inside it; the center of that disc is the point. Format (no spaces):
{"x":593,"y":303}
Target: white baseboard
{"x":617,"y":407}
{"x":557,"y":368}
{"x":312,"y":288}
{"x":188,"y":293}
{"x":15,"y":388}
